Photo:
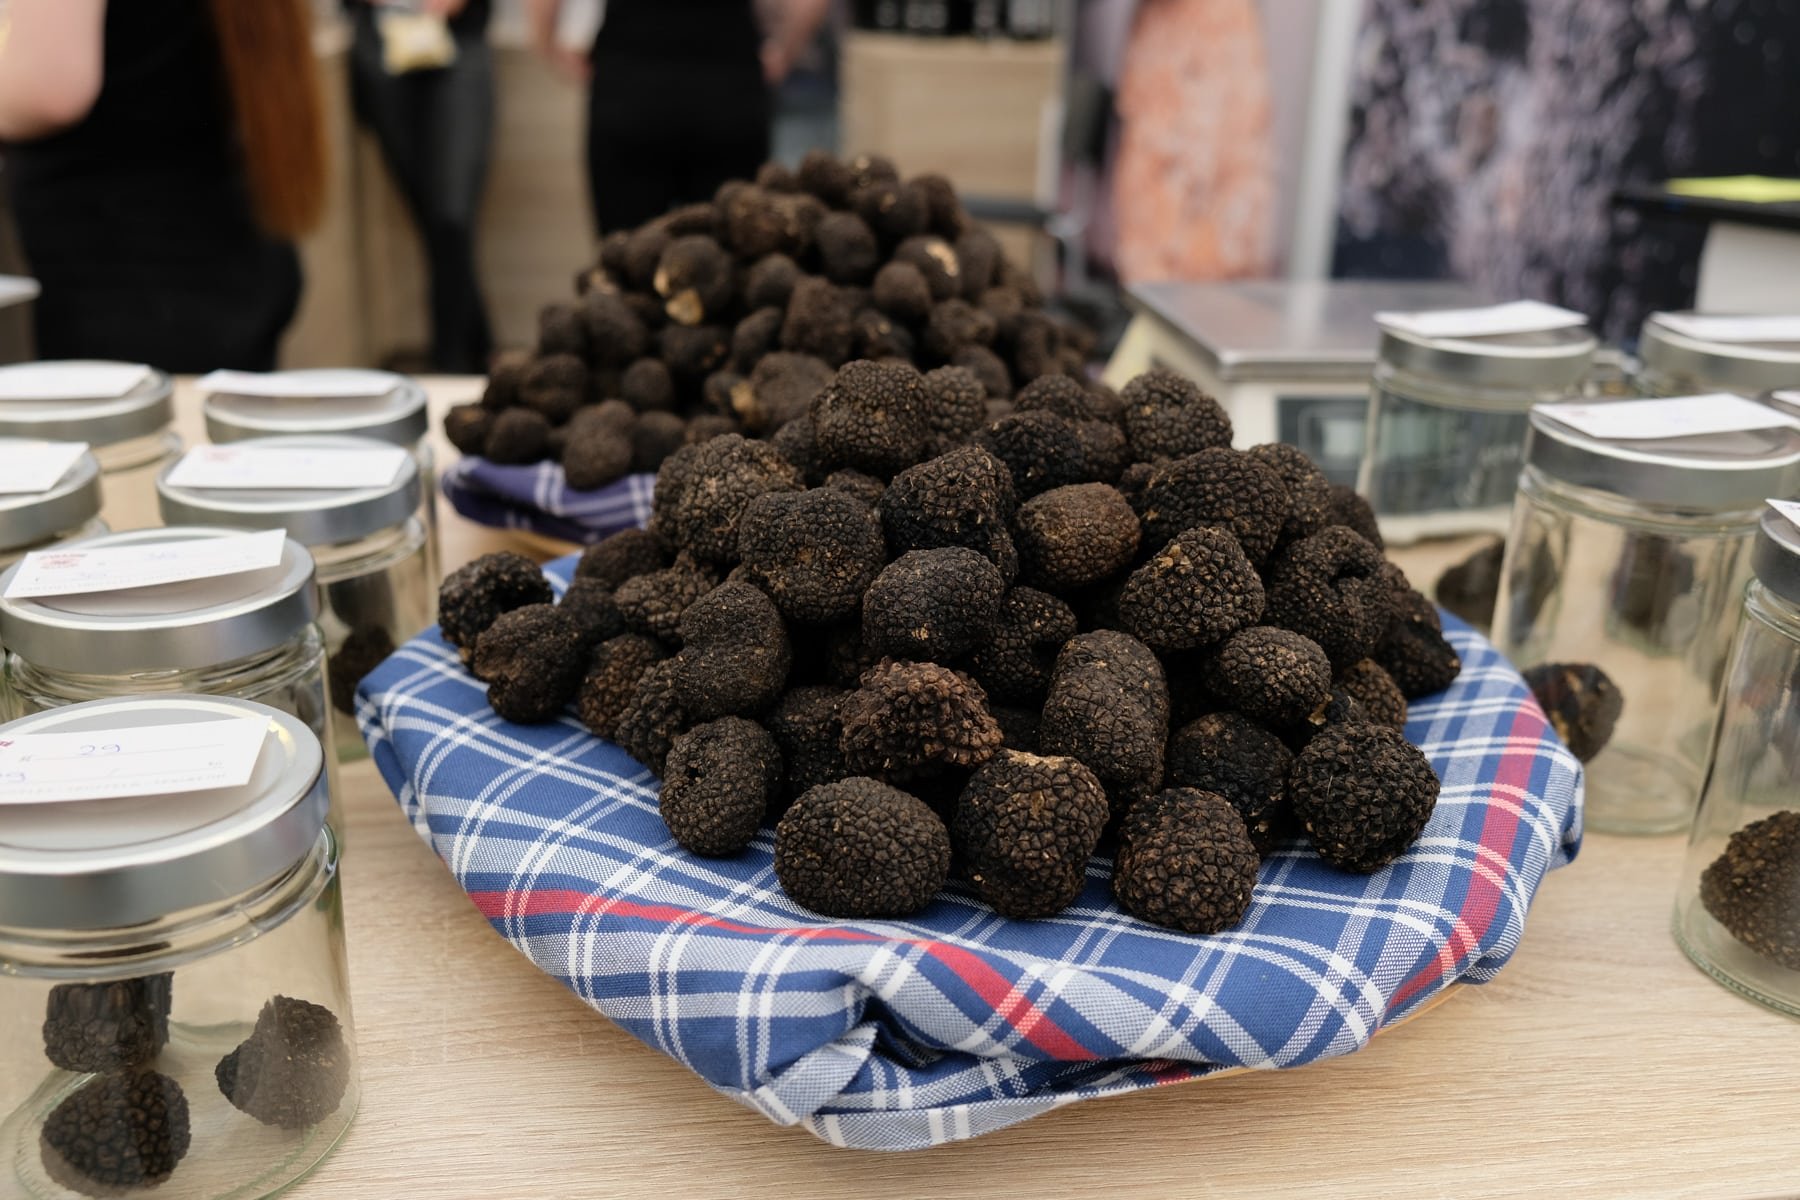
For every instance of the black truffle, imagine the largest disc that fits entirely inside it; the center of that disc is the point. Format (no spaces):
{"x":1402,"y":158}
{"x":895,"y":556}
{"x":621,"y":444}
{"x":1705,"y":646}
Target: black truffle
{"x":1308,"y":489}
{"x":907,"y":717}
{"x":1026,"y":825}
{"x":1041,"y":449}
{"x":956,"y":404}
{"x":1218,"y":487}
{"x":1330,"y":587}
{"x":294,"y":1068}
{"x":902,"y":293}
{"x":1582,"y":702}
{"x":932,"y":605}
{"x":467,"y":427}
{"x":1470,"y":587}
{"x":1076,"y":535}
{"x":770,"y":282}
{"x":734,"y":656}
{"x":986,"y":366}
{"x":1108,"y":706}
{"x":647,"y":386}
{"x":614,"y":672}
{"x":818,"y":321}
{"x":880,"y":338}
{"x":717,"y":783}
{"x":1168,"y":416}
{"x":1271,"y":675}
{"x":702,"y":491}
{"x":980,"y":256}
{"x":962,"y":498}
{"x":824,"y":175}
{"x":1414,"y":650}
{"x":476,"y":593}
{"x":363,"y":649}
{"x":1195,"y":591}
{"x":859,"y":848}
{"x":1185,"y":862}
{"x":1753,"y":888}
{"x":504,"y":377}
{"x":106,"y":1026}
{"x":871,"y":417}
{"x":654,"y":438}
{"x":1013,"y":663}
{"x":517,"y":436}
{"x":1058,"y":394}
{"x":758,"y":334}
{"x":693,"y":352}
{"x":758,"y":222}
{"x":616,"y":334}
{"x":780,"y":389}
{"x":952,"y":325}
{"x":561,"y":331}
{"x":1374,"y":689}
{"x":863,"y":487}
{"x":652,"y":604}
{"x":935,"y":260}
{"x":696,"y":279}
{"x":1363,"y":794}
{"x":816,"y":552}
{"x":1232,"y":756}
{"x":622,"y":555}
{"x":595,"y":458}
{"x":118,"y":1131}
{"x":1104,"y":448}
{"x":532,"y":659}
{"x":653,"y":718}
{"x":848,"y":252}
{"x":894,"y":210}
{"x":808,"y":727}
{"x":1350,"y":509}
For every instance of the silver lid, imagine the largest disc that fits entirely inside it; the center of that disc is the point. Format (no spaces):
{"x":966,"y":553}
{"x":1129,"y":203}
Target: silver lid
{"x":33,"y":517}
{"x":1546,"y":360}
{"x":1715,"y":472}
{"x":393,"y":411}
{"x":108,"y":864}
{"x":1698,"y":365}
{"x":1786,"y":400}
{"x":1776,"y":558}
{"x":175,"y":627}
{"x":143,"y":411}
{"x":312,"y":517}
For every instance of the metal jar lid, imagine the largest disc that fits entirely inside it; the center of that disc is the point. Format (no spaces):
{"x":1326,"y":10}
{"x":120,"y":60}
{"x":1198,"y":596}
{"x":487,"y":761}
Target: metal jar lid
{"x":1543,"y":361}
{"x":142,"y":412}
{"x":175,"y":627}
{"x":1700,"y":365}
{"x":311,"y":516}
{"x":1714,"y":472}
{"x":393,"y":411}
{"x":33,"y":517}
{"x":108,"y":864}
{"x":1776,"y":558}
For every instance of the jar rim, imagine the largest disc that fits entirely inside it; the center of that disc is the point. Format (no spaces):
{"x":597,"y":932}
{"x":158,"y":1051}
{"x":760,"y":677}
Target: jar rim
{"x":311,"y":516}
{"x":394,"y":411}
{"x":1745,"y":367}
{"x":1776,"y":558}
{"x":1545,"y":360}
{"x":30,"y":518}
{"x":145,"y":410}
{"x":1710,"y":472}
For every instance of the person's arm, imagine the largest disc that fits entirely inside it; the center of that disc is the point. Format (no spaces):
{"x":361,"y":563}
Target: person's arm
{"x":50,"y":65}
{"x":541,"y":19}
{"x":791,"y":32}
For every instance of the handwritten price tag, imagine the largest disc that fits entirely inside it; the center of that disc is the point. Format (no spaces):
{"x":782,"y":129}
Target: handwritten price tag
{"x":1521,"y":316}
{"x":28,"y":466}
{"x":1679,"y":416}
{"x":157,"y":760}
{"x":116,"y":568}
{"x":267,"y":468}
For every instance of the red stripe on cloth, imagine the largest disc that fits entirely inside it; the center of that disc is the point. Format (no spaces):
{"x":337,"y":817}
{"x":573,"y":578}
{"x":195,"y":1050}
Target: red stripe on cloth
{"x":1499,"y":833}
{"x":1007,"y":1000}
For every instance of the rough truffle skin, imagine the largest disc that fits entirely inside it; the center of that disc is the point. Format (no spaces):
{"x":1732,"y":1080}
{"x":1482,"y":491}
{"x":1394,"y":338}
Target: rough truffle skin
{"x":694,"y":351}
{"x":532,"y":660}
{"x":780,"y":389}
{"x":1168,"y":416}
{"x":696,"y":279}
{"x":1041,"y":449}
{"x":1076,"y":535}
{"x":734,"y":657}
{"x":517,"y":436}
{"x":106,"y":1026}
{"x":1374,"y":689}
{"x":770,"y":282}
{"x":717,"y":783}
{"x":1470,"y":588}
{"x":653,"y":718}
{"x":1582,"y":702}
{"x":1308,"y":489}
{"x":815,"y":552}
{"x":1414,"y":650}
{"x":622,"y":555}
{"x":1349,"y":509}
{"x":1026,"y":825}
{"x":1753,"y":888}
{"x":652,"y":604}
{"x":616,"y":334}
{"x":1108,"y":706}
{"x":654,"y":438}
{"x":1104,"y":449}
{"x":963,"y":498}
{"x":907,"y":717}
{"x":986,"y":366}
{"x":702,"y":491}
{"x":363,"y":649}
{"x":119,"y":1131}
{"x":555,"y":386}
{"x":808,"y":727}
{"x":1271,"y":675}
{"x":647,"y":386}
{"x":1215,"y":487}
{"x":818,"y":321}
{"x":956,"y":403}
{"x":467,"y":426}
{"x":1230,"y":755}
{"x":613,"y":674}
{"x":1185,"y":862}
{"x":1058,"y":394}
{"x":294,"y":1068}
{"x":932,"y":605}
{"x":935,"y":260}
{"x":758,"y":222}
{"x":1013,"y":663}
{"x":595,"y":458}
{"x":1363,"y":794}
{"x":848,"y":251}
{"x":1330,"y":587}
{"x":865,"y":488}
{"x":902,"y":293}
{"x":1197,"y":590}
{"x":872,"y":418}
{"x":859,"y":848}
{"x":475,"y":594}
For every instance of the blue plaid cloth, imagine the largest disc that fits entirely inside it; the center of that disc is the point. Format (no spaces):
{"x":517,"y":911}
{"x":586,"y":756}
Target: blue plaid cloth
{"x":537,"y":498}
{"x":905,"y":1034}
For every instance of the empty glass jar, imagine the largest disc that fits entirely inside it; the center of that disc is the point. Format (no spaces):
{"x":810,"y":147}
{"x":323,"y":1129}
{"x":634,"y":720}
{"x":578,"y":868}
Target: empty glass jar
{"x":1446,"y":426}
{"x":1738,"y":911}
{"x":1631,"y":556}
{"x":1674,"y":363}
{"x":369,"y":548}
{"x":130,"y":436}
{"x":174,"y":1000}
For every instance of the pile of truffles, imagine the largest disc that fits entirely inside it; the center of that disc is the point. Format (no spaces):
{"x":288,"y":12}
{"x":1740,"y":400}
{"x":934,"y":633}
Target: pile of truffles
{"x":914,"y":638}
{"x":729,"y":317}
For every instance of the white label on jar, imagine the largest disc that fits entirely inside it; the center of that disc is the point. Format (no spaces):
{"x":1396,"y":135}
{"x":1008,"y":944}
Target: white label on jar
{"x":1775,"y":328}
{"x":71,"y":381}
{"x":1521,"y":316}
{"x":71,"y":572}
{"x":28,"y":466}
{"x":285,"y":385}
{"x":1678,"y":416}
{"x":1789,"y":509}
{"x":154,"y":760}
{"x":248,"y":466}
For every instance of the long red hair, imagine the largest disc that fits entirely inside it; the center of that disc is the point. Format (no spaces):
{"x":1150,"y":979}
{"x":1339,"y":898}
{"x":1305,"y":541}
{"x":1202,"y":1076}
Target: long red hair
{"x":273,"y":77}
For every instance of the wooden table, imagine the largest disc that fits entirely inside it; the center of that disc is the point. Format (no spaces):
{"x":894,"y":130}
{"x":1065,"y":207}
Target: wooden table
{"x":1600,"y":1063}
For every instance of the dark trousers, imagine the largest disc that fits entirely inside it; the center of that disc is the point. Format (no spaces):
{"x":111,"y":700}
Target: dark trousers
{"x":434,"y":128}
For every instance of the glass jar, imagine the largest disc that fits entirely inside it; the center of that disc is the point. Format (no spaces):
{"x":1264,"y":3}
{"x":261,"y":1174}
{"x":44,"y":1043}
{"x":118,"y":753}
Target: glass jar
{"x":1674,"y":363}
{"x":130,"y":436}
{"x":1631,"y":556}
{"x":174,"y":998}
{"x":1738,"y":912}
{"x":1446,"y":425}
{"x":392,"y":410}
{"x":370,"y":551}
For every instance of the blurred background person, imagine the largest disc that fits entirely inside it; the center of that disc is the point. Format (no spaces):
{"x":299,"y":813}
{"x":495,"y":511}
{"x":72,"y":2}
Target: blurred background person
{"x":422,"y":79}
{"x":678,"y":95}
{"x":162,"y":156}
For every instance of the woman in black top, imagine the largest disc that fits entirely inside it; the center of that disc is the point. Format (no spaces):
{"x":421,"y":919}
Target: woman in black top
{"x":161,"y":156}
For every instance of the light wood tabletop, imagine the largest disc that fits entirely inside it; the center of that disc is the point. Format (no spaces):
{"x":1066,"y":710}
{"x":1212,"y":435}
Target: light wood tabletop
{"x":1599,"y":1063}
